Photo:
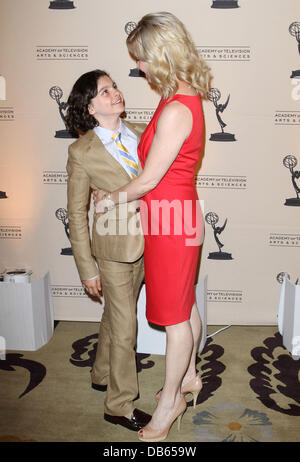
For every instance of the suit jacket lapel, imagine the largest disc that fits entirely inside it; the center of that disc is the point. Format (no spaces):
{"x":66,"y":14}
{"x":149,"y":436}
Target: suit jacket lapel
{"x":98,"y":146}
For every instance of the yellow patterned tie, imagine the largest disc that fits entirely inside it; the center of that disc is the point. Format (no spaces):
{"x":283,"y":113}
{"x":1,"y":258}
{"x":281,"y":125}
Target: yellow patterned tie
{"x":132,"y":165}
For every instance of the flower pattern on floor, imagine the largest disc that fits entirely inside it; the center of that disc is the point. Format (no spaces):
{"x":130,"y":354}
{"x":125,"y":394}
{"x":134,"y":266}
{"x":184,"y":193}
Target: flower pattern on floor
{"x":276,"y":376}
{"x":232,"y":423}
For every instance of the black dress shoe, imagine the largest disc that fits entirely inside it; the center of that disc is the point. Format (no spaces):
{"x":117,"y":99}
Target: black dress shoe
{"x":95,"y":386}
{"x":137,"y":421}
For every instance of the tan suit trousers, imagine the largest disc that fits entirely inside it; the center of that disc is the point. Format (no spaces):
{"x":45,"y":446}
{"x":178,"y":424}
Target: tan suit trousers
{"x":115,"y":364}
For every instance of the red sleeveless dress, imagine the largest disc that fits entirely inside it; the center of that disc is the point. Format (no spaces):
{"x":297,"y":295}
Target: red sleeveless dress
{"x":172,"y":224}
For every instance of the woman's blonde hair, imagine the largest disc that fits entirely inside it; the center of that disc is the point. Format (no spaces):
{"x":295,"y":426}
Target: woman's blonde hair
{"x":163,"y":42}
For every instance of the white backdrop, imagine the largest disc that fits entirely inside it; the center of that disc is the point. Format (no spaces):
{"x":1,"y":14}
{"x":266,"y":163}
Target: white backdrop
{"x":252,"y":54}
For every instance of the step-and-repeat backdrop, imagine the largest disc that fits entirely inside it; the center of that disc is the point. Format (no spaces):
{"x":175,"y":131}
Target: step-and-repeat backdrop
{"x":250,"y":172}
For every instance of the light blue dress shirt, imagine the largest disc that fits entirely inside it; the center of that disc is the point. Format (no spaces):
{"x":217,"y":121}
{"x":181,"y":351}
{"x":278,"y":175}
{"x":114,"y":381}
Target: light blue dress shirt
{"x":128,"y":139}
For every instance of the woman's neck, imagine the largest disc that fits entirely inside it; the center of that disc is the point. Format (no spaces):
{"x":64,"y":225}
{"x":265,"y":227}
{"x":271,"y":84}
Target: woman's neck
{"x":185,"y":88}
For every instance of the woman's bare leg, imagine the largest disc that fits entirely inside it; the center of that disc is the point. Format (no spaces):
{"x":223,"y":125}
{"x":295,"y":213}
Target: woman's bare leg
{"x":196,"y":326}
{"x":178,"y":357}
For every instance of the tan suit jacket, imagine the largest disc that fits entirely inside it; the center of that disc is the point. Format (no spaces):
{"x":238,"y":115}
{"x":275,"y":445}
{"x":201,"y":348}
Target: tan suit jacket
{"x":91,"y":166}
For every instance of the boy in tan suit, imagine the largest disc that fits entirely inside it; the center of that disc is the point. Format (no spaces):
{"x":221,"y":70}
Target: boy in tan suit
{"x":97,"y":160}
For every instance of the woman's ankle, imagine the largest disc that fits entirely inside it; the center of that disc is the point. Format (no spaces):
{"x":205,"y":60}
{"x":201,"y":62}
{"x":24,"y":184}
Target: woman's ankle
{"x":190,"y":375}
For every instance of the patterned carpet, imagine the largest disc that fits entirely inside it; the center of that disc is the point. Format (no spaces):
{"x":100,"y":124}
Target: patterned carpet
{"x":250,"y":392}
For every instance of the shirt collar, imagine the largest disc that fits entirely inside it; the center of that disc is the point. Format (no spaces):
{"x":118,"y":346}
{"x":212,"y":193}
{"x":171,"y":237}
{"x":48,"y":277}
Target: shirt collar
{"x":106,"y":134}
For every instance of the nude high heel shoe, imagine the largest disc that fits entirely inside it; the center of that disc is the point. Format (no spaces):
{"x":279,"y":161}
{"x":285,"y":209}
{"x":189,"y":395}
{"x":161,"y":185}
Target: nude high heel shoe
{"x":149,"y":435}
{"x":194,"y":386}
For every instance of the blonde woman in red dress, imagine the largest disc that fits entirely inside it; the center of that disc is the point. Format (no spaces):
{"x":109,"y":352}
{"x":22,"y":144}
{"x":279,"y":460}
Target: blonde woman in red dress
{"x":169,"y":150}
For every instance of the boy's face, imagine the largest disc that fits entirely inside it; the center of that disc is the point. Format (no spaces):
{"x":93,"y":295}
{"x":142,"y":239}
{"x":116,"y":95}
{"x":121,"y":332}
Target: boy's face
{"x":108,"y":102}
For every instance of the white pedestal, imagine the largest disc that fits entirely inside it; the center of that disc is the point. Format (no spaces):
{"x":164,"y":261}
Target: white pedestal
{"x":26,"y":314}
{"x":289,"y":317}
{"x":151,"y":339}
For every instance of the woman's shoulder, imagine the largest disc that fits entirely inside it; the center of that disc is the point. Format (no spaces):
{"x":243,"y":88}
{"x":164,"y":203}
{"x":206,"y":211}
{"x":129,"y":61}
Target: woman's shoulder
{"x":175,"y":119}
{"x":175,"y":109}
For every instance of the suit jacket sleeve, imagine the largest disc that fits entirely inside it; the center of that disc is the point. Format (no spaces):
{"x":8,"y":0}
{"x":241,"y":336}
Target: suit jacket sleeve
{"x":78,"y":201}
{"x":139,"y":128}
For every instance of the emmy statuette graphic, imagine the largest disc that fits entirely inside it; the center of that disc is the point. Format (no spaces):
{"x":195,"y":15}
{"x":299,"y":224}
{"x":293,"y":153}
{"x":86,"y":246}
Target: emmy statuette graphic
{"x":212,"y":219}
{"x":136,"y":73}
{"x":61,"y":5}
{"x":280,"y":277}
{"x":294,"y":30}
{"x":62,"y":215}
{"x":225,"y":4}
{"x":56,"y":93}
{"x":290,"y":162}
{"x":214,"y":95}
{"x":3,"y":195}
{"x":129,"y":27}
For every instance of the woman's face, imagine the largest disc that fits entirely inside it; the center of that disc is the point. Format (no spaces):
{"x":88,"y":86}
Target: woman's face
{"x":109,"y":100}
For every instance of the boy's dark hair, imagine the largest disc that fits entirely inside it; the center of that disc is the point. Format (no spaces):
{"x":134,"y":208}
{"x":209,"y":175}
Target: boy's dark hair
{"x":78,"y":118}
